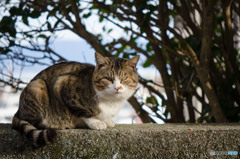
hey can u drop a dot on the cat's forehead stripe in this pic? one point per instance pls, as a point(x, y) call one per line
point(117, 64)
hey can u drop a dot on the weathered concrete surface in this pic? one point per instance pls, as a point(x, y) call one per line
point(129, 141)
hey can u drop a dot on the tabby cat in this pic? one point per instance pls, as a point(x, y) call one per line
point(74, 95)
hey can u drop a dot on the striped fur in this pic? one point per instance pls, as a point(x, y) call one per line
point(73, 95)
point(37, 137)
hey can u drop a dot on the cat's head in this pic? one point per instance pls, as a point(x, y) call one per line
point(115, 78)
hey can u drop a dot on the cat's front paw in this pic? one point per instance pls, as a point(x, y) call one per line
point(110, 123)
point(96, 125)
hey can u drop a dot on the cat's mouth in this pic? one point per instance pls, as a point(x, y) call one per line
point(117, 93)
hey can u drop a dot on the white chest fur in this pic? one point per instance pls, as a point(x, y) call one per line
point(109, 109)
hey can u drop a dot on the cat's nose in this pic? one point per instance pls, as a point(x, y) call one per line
point(118, 88)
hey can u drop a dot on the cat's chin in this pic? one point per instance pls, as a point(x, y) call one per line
point(115, 95)
point(119, 95)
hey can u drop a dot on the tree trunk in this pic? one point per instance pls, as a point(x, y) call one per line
point(207, 87)
point(138, 108)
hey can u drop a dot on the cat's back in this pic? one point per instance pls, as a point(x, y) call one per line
point(65, 68)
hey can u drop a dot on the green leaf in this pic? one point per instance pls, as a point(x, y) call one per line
point(42, 36)
point(149, 47)
point(152, 100)
point(125, 56)
point(7, 25)
point(109, 31)
point(35, 14)
point(6, 20)
point(94, 7)
point(199, 120)
point(13, 11)
point(25, 20)
point(87, 15)
point(101, 19)
point(29, 35)
point(147, 63)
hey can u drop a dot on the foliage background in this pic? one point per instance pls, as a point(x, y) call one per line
point(193, 44)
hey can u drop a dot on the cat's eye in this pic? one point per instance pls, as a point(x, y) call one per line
point(108, 78)
point(124, 78)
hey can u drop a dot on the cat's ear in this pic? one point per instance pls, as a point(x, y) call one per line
point(100, 60)
point(133, 61)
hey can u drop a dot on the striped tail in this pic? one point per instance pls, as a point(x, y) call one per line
point(37, 137)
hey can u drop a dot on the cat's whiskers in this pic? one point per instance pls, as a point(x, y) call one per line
point(99, 94)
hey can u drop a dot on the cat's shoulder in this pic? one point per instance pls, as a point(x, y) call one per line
point(70, 64)
point(64, 68)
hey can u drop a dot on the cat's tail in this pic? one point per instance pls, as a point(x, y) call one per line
point(37, 137)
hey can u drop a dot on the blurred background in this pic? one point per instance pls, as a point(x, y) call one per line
point(189, 52)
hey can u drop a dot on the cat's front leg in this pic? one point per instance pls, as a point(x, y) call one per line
point(94, 123)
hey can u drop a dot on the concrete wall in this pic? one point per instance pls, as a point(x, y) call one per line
point(129, 141)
